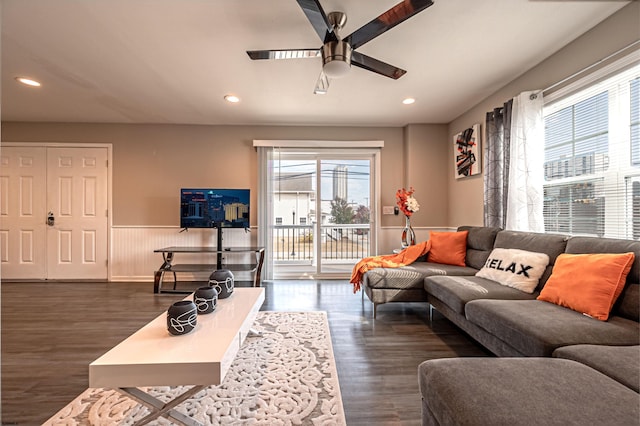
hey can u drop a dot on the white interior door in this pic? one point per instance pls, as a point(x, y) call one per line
point(77, 200)
point(68, 184)
point(22, 212)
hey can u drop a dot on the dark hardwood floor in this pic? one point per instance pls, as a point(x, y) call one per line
point(52, 331)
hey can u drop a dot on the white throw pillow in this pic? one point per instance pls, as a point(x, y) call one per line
point(515, 268)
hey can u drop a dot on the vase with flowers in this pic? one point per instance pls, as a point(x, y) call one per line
point(408, 205)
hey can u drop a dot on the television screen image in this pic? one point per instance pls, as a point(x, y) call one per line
point(208, 207)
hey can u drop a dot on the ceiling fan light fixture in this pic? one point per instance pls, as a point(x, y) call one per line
point(336, 68)
point(337, 53)
point(336, 58)
point(322, 85)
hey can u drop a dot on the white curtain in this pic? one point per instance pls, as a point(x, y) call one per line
point(526, 173)
point(265, 212)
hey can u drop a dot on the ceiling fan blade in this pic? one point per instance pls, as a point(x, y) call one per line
point(283, 54)
point(315, 14)
point(392, 17)
point(372, 64)
point(322, 85)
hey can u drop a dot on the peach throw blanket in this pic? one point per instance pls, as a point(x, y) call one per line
point(405, 257)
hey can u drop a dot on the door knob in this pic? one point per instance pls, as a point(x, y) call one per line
point(51, 220)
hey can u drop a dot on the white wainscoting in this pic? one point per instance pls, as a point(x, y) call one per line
point(132, 257)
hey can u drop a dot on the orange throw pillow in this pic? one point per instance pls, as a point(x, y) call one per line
point(588, 283)
point(449, 248)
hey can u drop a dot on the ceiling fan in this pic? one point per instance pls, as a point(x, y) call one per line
point(338, 54)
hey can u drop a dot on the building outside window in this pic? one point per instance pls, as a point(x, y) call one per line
point(592, 159)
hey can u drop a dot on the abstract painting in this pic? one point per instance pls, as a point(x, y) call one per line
point(467, 152)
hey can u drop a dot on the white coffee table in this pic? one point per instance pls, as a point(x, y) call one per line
point(153, 357)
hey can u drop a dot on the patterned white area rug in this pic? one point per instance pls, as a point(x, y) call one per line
point(286, 377)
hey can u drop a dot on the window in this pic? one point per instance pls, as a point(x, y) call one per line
point(633, 191)
point(576, 139)
point(592, 159)
point(303, 221)
point(278, 221)
point(635, 122)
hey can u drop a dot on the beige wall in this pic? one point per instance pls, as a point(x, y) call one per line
point(152, 162)
point(616, 32)
point(426, 159)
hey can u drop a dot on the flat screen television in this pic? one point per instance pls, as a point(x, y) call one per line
point(212, 207)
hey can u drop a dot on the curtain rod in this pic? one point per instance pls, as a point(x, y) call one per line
point(575, 74)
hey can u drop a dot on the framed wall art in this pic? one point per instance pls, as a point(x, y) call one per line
point(467, 152)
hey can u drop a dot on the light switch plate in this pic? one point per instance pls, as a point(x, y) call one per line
point(387, 209)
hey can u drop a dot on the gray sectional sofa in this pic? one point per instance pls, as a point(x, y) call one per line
point(556, 365)
point(533, 391)
point(406, 284)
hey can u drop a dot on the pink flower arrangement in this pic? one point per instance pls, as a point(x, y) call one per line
point(406, 202)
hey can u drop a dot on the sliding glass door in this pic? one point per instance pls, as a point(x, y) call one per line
point(345, 225)
point(322, 218)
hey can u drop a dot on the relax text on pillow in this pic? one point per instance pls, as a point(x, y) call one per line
point(515, 268)
point(497, 264)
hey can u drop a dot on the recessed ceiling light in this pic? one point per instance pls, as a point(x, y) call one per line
point(232, 98)
point(28, 81)
point(408, 101)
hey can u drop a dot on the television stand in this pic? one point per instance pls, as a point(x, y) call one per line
point(168, 255)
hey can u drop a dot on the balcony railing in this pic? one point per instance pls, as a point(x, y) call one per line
point(297, 243)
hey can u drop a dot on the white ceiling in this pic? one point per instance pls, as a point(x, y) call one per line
point(172, 61)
